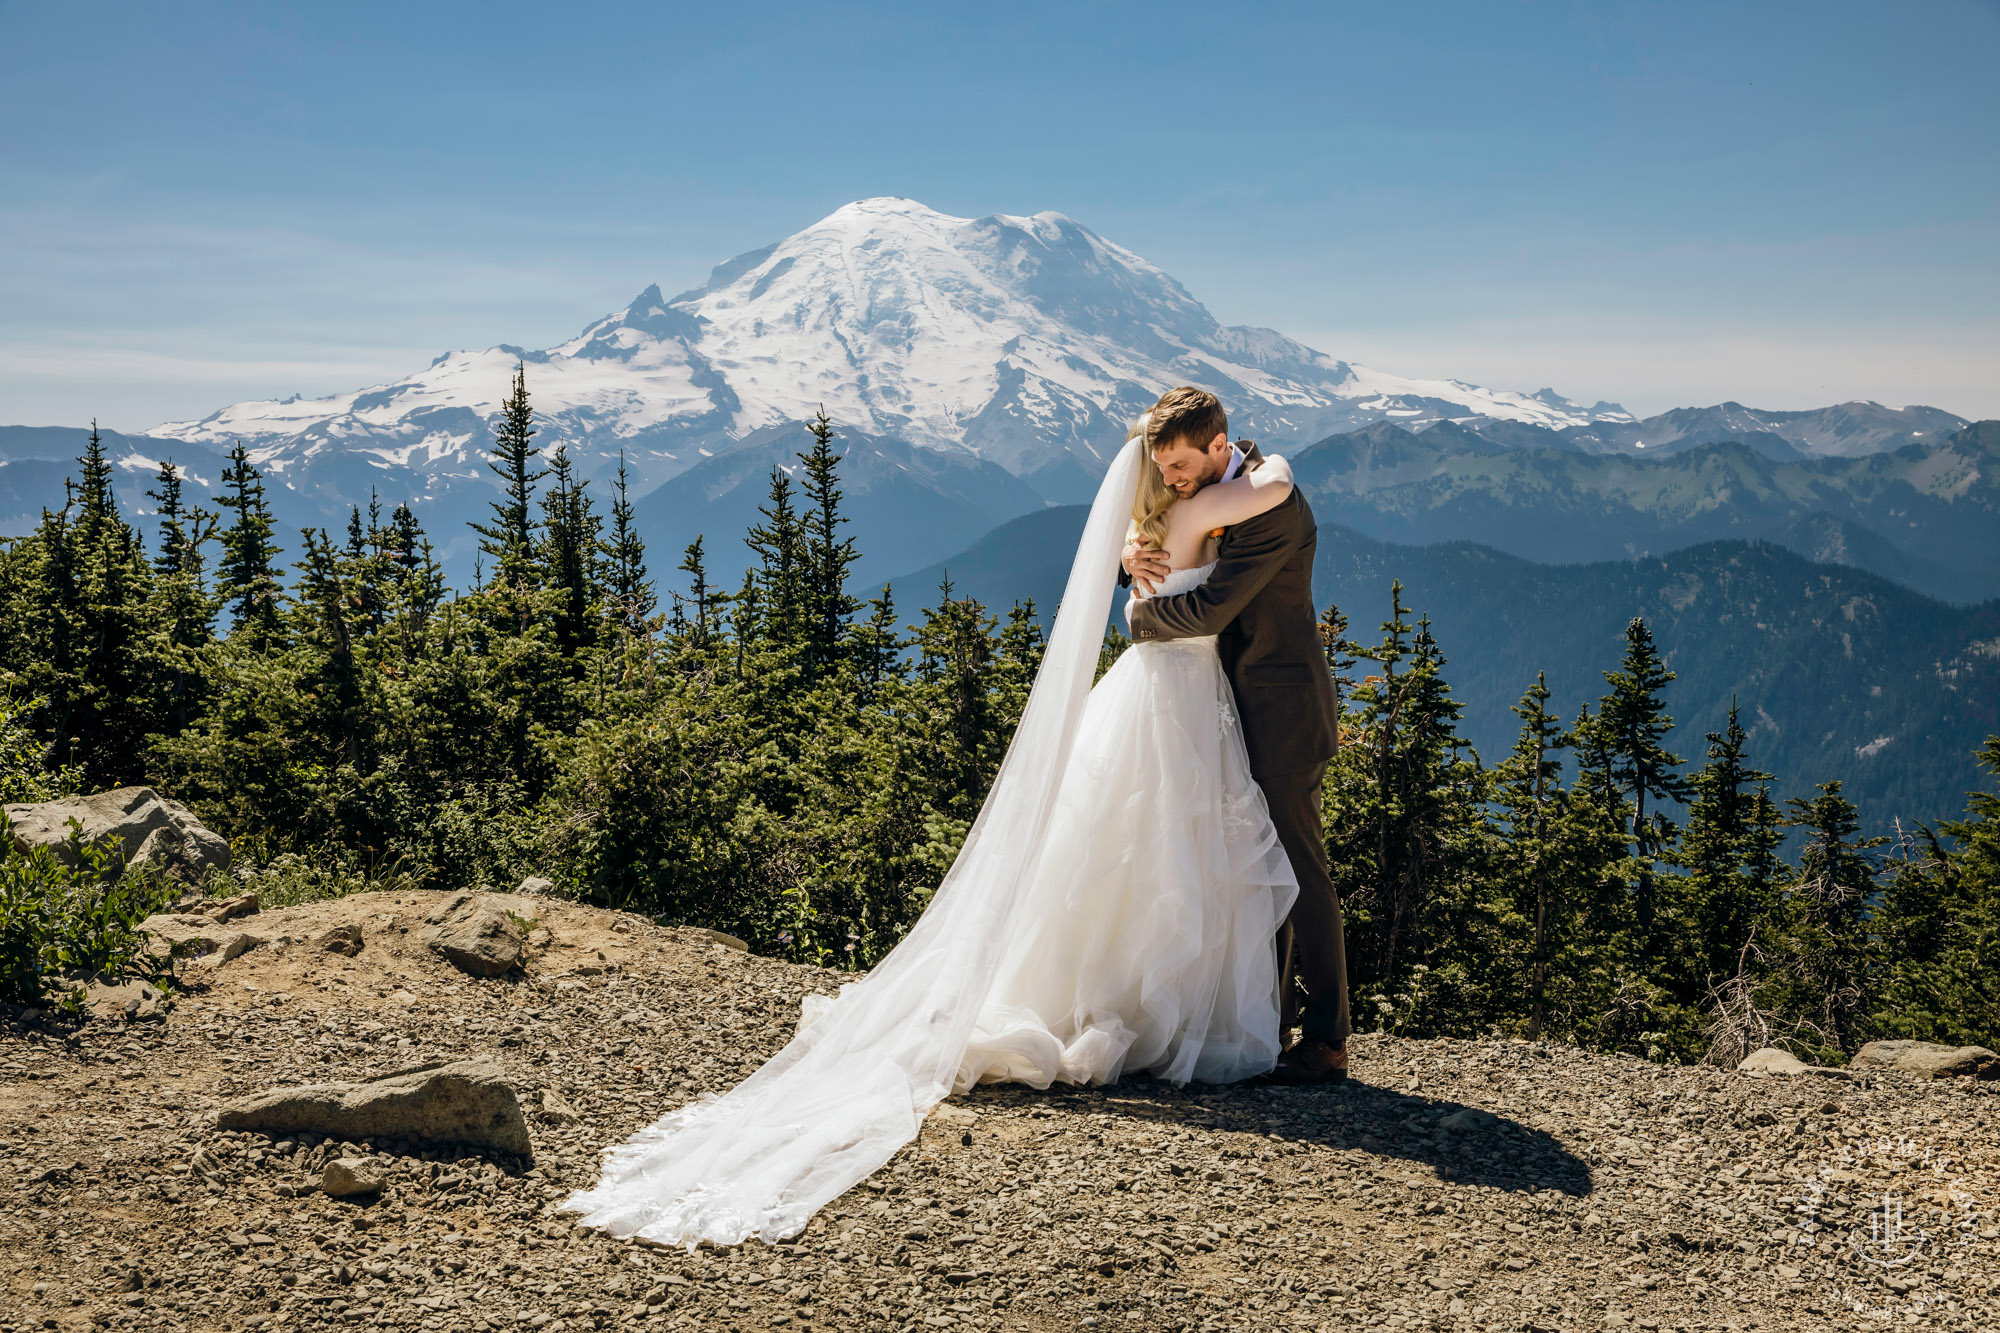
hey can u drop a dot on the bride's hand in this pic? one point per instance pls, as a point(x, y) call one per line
point(1146, 564)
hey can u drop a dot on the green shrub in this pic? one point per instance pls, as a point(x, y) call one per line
point(24, 771)
point(288, 879)
point(61, 919)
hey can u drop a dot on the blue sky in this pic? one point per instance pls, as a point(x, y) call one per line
point(1662, 204)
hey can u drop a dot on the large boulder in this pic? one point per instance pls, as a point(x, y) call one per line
point(137, 823)
point(475, 934)
point(466, 1101)
point(1928, 1059)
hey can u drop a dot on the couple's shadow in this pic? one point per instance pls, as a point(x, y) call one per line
point(1486, 1148)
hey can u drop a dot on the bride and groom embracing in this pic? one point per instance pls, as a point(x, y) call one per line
point(1148, 850)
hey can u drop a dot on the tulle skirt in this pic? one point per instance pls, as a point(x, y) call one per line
point(1148, 935)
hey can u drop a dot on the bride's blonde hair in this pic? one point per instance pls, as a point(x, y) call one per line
point(1152, 497)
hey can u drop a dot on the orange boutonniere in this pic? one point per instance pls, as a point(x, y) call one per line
point(1217, 532)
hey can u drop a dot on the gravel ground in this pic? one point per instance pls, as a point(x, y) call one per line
point(1602, 1192)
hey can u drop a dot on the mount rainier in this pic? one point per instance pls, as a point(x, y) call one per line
point(976, 370)
point(1023, 341)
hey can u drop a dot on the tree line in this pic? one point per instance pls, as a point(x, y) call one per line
point(789, 763)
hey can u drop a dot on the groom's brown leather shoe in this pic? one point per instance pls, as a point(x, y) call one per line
point(1310, 1061)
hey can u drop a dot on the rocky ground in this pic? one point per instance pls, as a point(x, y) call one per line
point(1594, 1192)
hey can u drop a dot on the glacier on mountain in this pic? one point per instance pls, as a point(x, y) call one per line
point(1026, 341)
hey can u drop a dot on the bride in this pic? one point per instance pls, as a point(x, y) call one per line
point(1115, 908)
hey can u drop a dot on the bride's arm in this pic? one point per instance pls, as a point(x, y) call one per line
point(1227, 502)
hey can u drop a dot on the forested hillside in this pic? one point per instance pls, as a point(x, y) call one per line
point(1838, 673)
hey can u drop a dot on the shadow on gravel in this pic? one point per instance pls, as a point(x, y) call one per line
point(1500, 1154)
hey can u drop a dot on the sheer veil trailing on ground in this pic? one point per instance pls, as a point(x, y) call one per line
point(865, 1068)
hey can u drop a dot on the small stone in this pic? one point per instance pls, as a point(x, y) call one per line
point(124, 1001)
point(344, 939)
point(227, 909)
point(1772, 1060)
point(1467, 1119)
point(555, 1109)
point(195, 937)
point(345, 1177)
point(476, 936)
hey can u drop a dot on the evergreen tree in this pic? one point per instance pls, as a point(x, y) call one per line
point(246, 578)
point(1635, 725)
point(1529, 790)
point(783, 576)
point(173, 533)
point(510, 537)
point(1722, 841)
point(1405, 813)
point(570, 556)
point(876, 650)
point(1938, 926)
point(827, 555)
point(328, 597)
point(1020, 660)
point(1828, 904)
point(956, 674)
point(97, 510)
point(702, 618)
point(110, 582)
point(630, 590)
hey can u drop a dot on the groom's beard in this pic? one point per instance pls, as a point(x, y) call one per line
point(1209, 478)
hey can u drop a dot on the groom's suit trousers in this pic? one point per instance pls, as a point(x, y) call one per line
point(1319, 953)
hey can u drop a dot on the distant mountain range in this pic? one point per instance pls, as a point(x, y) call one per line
point(976, 368)
point(1839, 673)
point(1926, 514)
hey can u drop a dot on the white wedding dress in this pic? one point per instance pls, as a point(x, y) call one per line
point(1114, 908)
point(1147, 938)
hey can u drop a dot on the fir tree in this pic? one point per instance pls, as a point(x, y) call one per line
point(510, 538)
point(173, 533)
point(1530, 791)
point(783, 577)
point(1721, 839)
point(876, 650)
point(1635, 726)
point(827, 555)
point(570, 555)
point(630, 590)
point(703, 617)
point(246, 578)
point(956, 675)
point(1829, 901)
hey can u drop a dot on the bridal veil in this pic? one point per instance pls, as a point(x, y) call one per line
point(854, 1085)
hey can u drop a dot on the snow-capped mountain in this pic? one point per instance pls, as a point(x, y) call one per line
point(1027, 341)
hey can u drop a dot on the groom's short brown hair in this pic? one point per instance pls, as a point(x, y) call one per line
point(1185, 414)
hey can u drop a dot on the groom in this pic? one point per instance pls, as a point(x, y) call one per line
point(1259, 601)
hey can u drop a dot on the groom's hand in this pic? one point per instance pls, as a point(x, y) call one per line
point(1146, 564)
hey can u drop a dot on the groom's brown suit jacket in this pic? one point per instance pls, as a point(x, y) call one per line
point(1258, 602)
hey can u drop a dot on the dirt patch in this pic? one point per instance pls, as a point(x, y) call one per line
point(1610, 1193)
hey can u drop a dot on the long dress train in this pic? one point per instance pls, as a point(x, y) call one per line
point(1148, 943)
